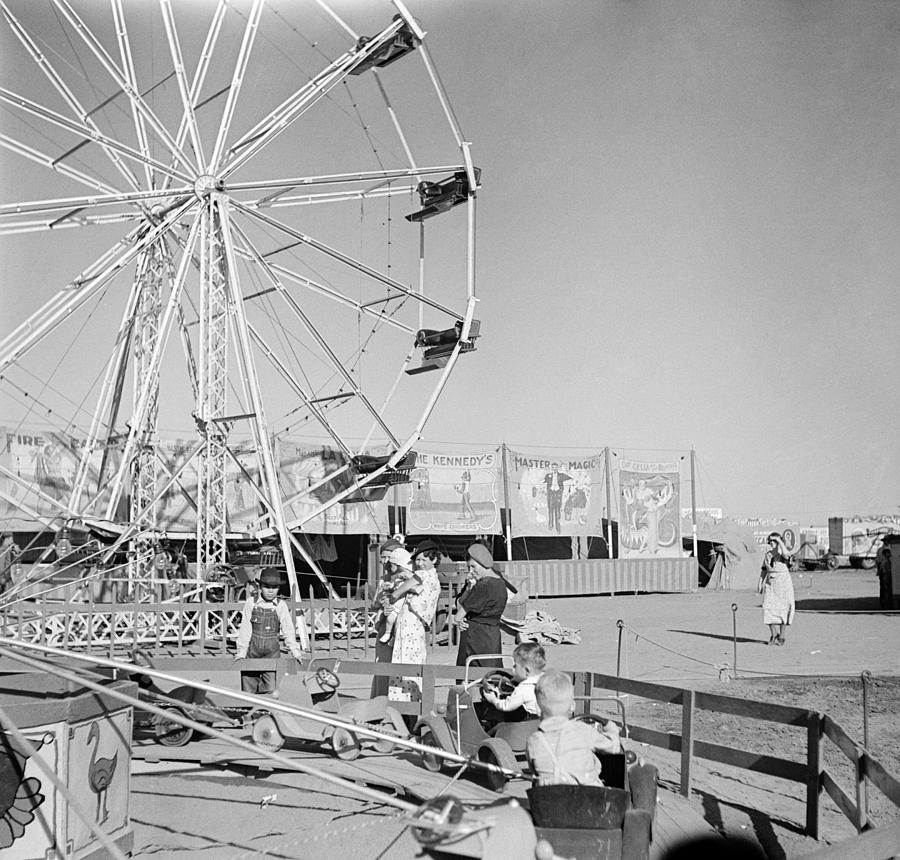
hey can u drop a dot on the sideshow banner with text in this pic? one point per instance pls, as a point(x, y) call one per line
point(649, 506)
point(304, 471)
point(454, 494)
point(45, 463)
point(555, 495)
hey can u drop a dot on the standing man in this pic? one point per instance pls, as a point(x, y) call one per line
point(885, 582)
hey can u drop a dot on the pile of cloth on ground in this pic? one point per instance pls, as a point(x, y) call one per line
point(538, 626)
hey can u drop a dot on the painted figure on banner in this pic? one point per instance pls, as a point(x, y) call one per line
point(649, 524)
point(454, 493)
point(554, 482)
point(312, 475)
point(464, 488)
point(553, 496)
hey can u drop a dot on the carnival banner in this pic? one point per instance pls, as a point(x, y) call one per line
point(552, 495)
point(649, 521)
point(44, 463)
point(454, 494)
point(304, 471)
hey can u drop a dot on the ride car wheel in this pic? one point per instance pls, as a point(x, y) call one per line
point(266, 733)
point(345, 744)
point(172, 734)
point(431, 761)
point(493, 780)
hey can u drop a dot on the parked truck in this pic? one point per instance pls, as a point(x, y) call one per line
point(858, 538)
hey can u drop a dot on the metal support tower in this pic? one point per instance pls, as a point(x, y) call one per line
point(155, 274)
point(212, 392)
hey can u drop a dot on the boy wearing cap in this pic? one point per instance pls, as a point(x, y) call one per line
point(264, 619)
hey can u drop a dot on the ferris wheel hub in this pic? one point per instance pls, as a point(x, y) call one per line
point(205, 184)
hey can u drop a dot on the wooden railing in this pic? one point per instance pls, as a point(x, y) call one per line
point(813, 774)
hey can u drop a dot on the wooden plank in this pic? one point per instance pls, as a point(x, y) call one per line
point(839, 796)
point(655, 738)
point(880, 778)
point(840, 738)
point(771, 711)
point(757, 762)
point(687, 740)
point(813, 773)
point(644, 689)
point(874, 844)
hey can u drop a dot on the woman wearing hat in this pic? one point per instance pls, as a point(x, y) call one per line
point(479, 609)
point(265, 618)
point(421, 592)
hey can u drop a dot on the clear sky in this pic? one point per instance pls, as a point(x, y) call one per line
point(687, 236)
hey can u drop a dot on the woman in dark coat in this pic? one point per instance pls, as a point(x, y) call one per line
point(479, 609)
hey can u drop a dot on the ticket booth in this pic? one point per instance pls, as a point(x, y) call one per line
point(84, 737)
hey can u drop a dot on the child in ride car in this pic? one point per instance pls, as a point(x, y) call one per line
point(529, 661)
point(562, 750)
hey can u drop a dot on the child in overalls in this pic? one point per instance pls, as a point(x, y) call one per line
point(265, 618)
point(561, 751)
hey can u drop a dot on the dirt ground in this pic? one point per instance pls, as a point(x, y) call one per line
point(684, 640)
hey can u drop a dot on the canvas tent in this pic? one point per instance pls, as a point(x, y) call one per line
point(742, 554)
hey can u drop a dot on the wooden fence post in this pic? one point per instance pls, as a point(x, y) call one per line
point(813, 772)
point(687, 740)
point(312, 622)
point(428, 684)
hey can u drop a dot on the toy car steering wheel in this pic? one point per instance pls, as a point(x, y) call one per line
point(326, 679)
point(630, 756)
point(499, 681)
point(439, 815)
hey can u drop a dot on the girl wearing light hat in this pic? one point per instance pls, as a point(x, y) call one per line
point(265, 618)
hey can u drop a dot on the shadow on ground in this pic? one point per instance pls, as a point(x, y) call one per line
point(721, 636)
point(839, 604)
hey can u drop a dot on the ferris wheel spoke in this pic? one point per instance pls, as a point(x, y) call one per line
point(86, 131)
point(262, 134)
point(298, 389)
point(40, 324)
point(47, 161)
point(349, 261)
point(237, 79)
point(251, 253)
point(321, 341)
point(65, 91)
point(186, 92)
point(134, 96)
point(151, 369)
point(65, 222)
point(66, 203)
point(140, 128)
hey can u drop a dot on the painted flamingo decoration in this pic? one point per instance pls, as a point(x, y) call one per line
point(100, 772)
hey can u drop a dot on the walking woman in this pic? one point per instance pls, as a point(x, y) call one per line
point(777, 589)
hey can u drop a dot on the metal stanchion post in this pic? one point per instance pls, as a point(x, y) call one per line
point(621, 625)
point(734, 609)
point(865, 677)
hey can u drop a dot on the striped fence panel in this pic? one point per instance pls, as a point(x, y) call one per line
point(604, 576)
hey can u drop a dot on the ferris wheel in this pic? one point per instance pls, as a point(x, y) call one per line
point(261, 217)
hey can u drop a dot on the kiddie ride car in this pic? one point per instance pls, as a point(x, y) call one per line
point(318, 691)
point(459, 730)
point(183, 700)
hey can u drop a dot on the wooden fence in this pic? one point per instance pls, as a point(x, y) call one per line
point(205, 621)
